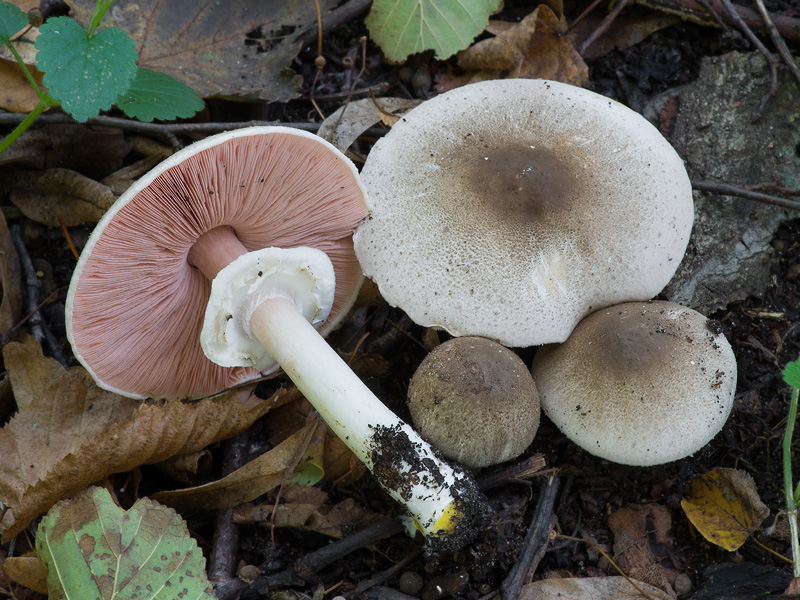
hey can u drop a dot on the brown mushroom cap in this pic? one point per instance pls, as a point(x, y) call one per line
point(639, 383)
point(135, 305)
point(511, 209)
point(475, 401)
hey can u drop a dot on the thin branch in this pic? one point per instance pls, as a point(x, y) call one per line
point(732, 190)
point(777, 40)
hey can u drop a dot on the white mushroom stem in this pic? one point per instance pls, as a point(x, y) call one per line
point(252, 299)
point(357, 417)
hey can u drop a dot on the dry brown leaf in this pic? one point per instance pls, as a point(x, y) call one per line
point(10, 279)
point(209, 45)
point(42, 196)
point(69, 433)
point(590, 588)
point(28, 571)
point(16, 94)
point(257, 477)
point(351, 120)
point(725, 507)
point(626, 32)
point(534, 48)
point(94, 151)
point(643, 544)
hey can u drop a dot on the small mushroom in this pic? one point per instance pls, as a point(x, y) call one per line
point(475, 401)
point(266, 214)
point(639, 383)
point(511, 209)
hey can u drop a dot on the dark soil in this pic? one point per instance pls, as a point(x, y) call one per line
point(763, 331)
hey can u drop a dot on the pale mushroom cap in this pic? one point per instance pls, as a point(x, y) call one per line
point(511, 209)
point(475, 401)
point(639, 383)
point(135, 305)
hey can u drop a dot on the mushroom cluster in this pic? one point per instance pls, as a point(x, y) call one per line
point(513, 209)
point(230, 259)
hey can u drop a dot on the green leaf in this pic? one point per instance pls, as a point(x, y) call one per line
point(86, 73)
point(94, 549)
point(12, 19)
point(155, 95)
point(791, 374)
point(404, 27)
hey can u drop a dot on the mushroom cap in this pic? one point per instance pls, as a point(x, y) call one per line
point(639, 383)
point(135, 306)
point(511, 209)
point(475, 401)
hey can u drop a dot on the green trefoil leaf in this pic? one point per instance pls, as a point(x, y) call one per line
point(791, 374)
point(85, 73)
point(12, 19)
point(155, 95)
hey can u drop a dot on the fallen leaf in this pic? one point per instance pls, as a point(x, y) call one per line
point(28, 571)
point(93, 151)
point(405, 27)
point(643, 544)
point(94, 549)
point(16, 93)
point(69, 433)
point(42, 196)
point(211, 46)
point(590, 588)
point(351, 120)
point(257, 477)
point(626, 32)
point(725, 507)
point(534, 48)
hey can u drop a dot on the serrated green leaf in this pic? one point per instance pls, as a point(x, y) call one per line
point(94, 549)
point(86, 73)
point(12, 19)
point(791, 374)
point(155, 95)
point(404, 27)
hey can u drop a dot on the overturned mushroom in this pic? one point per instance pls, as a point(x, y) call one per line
point(266, 214)
point(639, 383)
point(511, 209)
point(475, 401)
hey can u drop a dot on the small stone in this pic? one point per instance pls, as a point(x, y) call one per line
point(683, 585)
point(410, 583)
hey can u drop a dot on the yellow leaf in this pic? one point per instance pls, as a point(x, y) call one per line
point(28, 571)
point(725, 507)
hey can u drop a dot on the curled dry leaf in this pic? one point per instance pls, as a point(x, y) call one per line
point(725, 507)
point(257, 477)
point(351, 120)
point(43, 196)
point(16, 93)
point(590, 588)
point(28, 571)
point(534, 48)
point(69, 433)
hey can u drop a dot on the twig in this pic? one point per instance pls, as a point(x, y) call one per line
point(383, 575)
point(695, 11)
point(535, 543)
point(311, 564)
point(604, 25)
point(39, 328)
point(339, 16)
point(771, 60)
point(224, 546)
point(732, 190)
point(777, 40)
